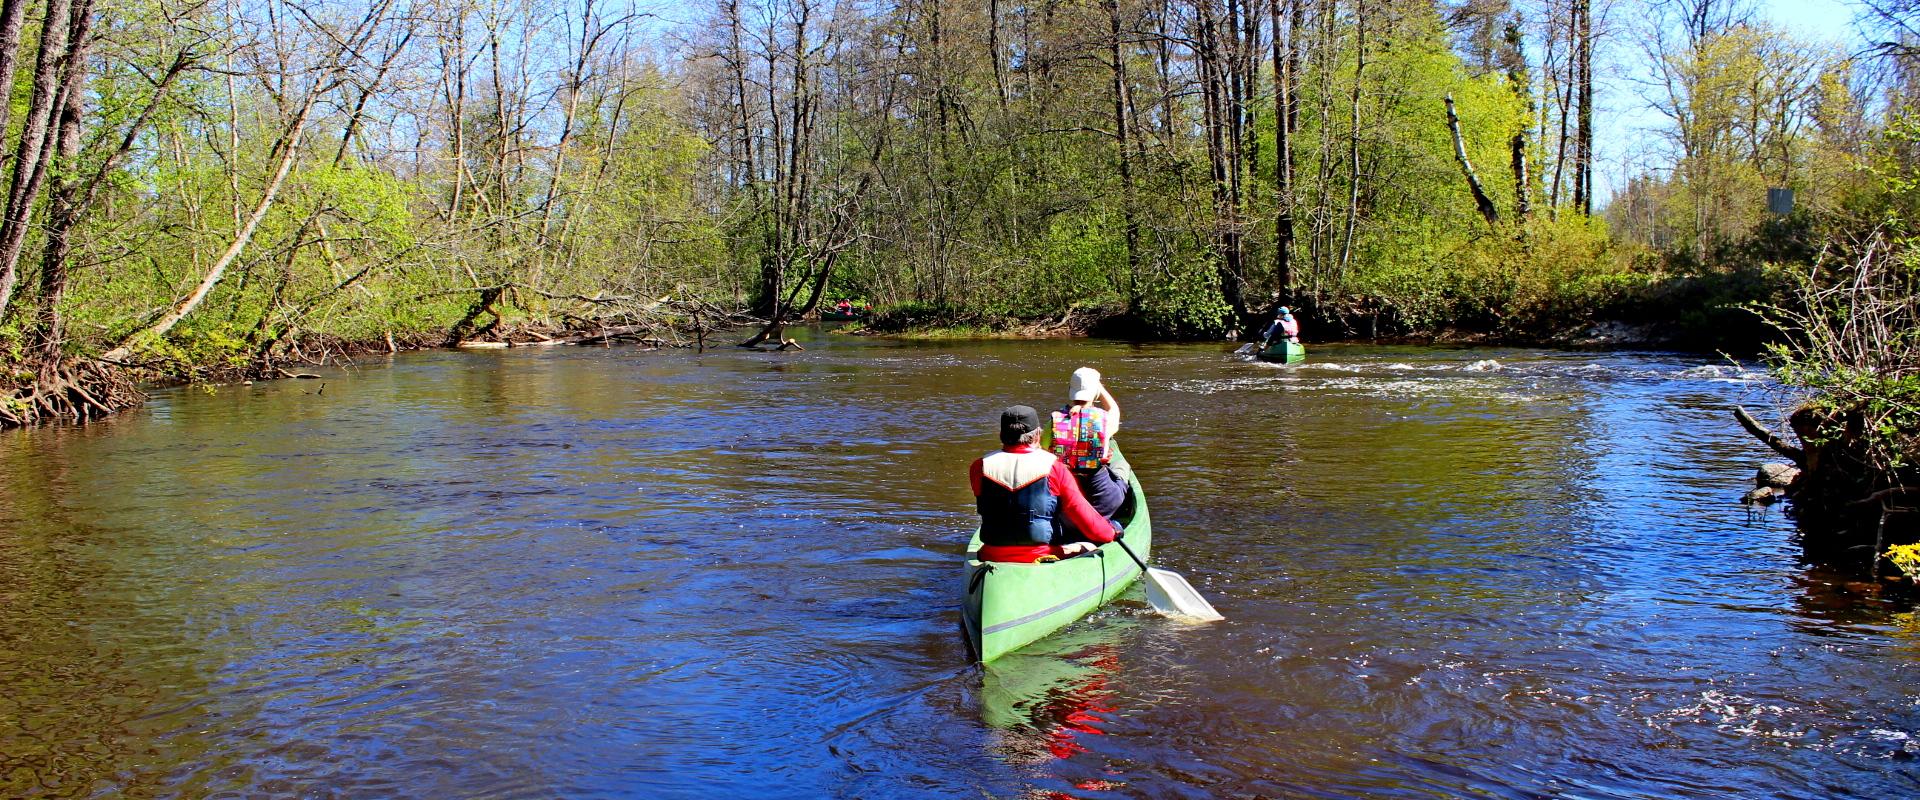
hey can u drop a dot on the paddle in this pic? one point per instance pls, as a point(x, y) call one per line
point(1170, 594)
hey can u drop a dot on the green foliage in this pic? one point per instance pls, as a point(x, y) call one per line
point(1073, 263)
point(1186, 304)
point(1534, 280)
point(1853, 342)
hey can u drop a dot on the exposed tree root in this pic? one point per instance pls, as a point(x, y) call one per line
point(74, 390)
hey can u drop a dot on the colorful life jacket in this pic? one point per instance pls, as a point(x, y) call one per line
point(1016, 503)
point(1080, 437)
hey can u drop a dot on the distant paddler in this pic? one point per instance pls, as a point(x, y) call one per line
point(1283, 325)
point(1281, 342)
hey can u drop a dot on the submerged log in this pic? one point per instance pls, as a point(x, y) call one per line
point(643, 334)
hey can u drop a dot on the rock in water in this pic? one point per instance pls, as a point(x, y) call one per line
point(1777, 476)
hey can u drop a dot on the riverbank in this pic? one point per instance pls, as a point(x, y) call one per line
point(1694, 314)
point(1851, 353)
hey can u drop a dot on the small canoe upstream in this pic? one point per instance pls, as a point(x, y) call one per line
point(1284, 352)
point(1008, 606)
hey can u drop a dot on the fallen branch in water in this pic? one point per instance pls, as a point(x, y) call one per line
point(629, 332)
point(1769, 438)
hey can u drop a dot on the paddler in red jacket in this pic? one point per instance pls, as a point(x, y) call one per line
point(1026, 497)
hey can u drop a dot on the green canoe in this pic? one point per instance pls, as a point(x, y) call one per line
point(1010, 605)
point(1284, 352)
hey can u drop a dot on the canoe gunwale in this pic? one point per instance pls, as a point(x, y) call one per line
point(1128, 574)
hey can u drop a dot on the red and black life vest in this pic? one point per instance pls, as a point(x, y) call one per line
point(1016, 504)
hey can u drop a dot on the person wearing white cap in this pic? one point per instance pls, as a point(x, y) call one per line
point(1082, 436)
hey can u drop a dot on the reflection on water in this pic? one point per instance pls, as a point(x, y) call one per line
point(615, 573)
point(1048, 695)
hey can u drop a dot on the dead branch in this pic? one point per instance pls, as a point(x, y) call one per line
point(1769, 438)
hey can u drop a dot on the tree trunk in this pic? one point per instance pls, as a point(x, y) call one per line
point(29, 162)
point(1217, 106)
point(993, 52)
point(1286, 71)
point(1583, 143)
point(1480, 199)
point(1322, 222)
point(1353, 135)
point(1123, 154)
point(1522, 85)
point(64, 209)
point(13, 15)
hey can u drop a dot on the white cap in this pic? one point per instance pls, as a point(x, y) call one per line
point(1085, 385)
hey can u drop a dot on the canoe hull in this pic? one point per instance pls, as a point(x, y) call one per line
point(1009, 606)
point(1284, 352)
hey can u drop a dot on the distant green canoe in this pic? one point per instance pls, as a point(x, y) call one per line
point(1011, 605)
point(1284, 352)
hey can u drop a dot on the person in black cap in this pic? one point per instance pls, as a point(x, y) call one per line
point(1025, 496)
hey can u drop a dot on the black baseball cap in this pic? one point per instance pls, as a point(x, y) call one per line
point(1017, 421)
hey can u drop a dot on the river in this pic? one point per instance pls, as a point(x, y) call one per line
point(615, 572)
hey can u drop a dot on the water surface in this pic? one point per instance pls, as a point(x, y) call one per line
point(617, 572)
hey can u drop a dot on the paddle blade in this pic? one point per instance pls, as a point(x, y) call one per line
point(1171, 594)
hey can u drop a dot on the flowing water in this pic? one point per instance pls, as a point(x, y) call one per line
point(667, 574)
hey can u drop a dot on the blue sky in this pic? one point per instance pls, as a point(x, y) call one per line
point(1822, 19)
point(1625, 125)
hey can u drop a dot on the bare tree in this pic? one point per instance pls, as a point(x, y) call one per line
point(297, 96)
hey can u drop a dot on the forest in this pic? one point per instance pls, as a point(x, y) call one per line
point(214, 190)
